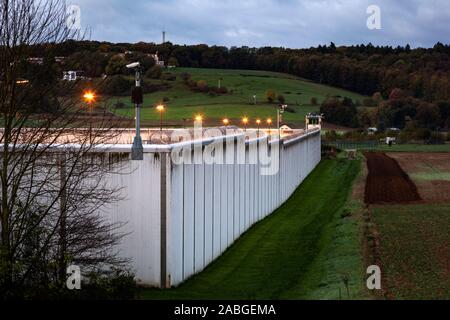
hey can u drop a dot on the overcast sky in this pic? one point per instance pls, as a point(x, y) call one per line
point(286, 23)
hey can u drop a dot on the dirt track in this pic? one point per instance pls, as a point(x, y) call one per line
point(387, 182)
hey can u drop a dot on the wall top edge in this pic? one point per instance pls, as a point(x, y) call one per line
point(160, 148)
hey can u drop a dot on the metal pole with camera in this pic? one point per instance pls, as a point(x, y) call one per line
point(137, 97)
point(280, 112)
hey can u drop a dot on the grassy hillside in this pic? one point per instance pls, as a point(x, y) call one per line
point(183, 103)
point(302, 251)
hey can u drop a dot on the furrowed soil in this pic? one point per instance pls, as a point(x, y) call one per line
point(411, 239)
point(387, 183)
point(430, 173)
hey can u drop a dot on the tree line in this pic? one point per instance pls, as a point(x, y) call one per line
point(421, 74)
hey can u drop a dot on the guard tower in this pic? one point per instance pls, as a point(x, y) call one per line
point(313, 121)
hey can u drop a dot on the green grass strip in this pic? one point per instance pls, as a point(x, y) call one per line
point(292, 253)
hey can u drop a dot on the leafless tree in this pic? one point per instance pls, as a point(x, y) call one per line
point(52, 177)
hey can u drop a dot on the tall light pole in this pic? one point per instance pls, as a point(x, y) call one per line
point(258, 122)
point(161, 109)
point(198, 120)
point(137, 97)
point(269, 123)
point(245, 122)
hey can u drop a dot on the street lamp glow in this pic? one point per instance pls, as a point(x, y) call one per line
point(258, 122)
point(89, 96)
point(269, 123)
point(226, 122)
point(22, 81)
point(245, 122)
point(198, 118)
point(161, 109)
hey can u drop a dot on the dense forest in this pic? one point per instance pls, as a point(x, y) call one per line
point(406, 82)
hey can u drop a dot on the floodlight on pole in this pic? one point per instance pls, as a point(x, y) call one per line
point(269, 123)
point(137, 97)
point(161, 110)
point(245, 122)
point(89, 97)
point(198, 118)
point(258, 122)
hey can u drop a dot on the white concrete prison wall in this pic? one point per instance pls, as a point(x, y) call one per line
point(210, 206)
point(181, 217)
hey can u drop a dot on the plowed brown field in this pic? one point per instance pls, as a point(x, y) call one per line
point(430, 172)
point(387, 182)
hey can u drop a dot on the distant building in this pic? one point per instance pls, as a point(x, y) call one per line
point(157, 61)
point(372, 130)
point(313, 121)
point(73, 75)
point(60, 60)
point(36, 60)
point(286, 129)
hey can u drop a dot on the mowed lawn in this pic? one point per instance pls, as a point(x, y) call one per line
point(302, 251)
point(415, 250)
point(184, 104)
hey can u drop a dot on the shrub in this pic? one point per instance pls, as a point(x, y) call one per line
point(116, 86)
point(281, 99)
point(396, 94)
point(119, 105)
point(173, 62)
point(422, 134)
point(202, 85)
point(222, 90)
point(118, 285)
point(377, 97)
point(369, 102)
point(341, 112)
point(314, 101)
point(331, 135)
point(436, 138)
point(185, 77)
point(116, 65)
point(270, 95)
point(290, 110)
point(168, 76)
point(192, 84)
point(154, 72)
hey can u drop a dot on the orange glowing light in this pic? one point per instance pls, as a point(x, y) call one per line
point(258, 122)
point(160, 108)
point(199, 118)
point(269, 121)
point(245, 120)
point(226, 122)
point(89, 96)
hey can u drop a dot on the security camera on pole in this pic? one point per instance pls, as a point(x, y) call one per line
point(137, 97)
point(281, 110)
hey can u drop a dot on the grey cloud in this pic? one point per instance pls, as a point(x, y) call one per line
point(290, 23)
